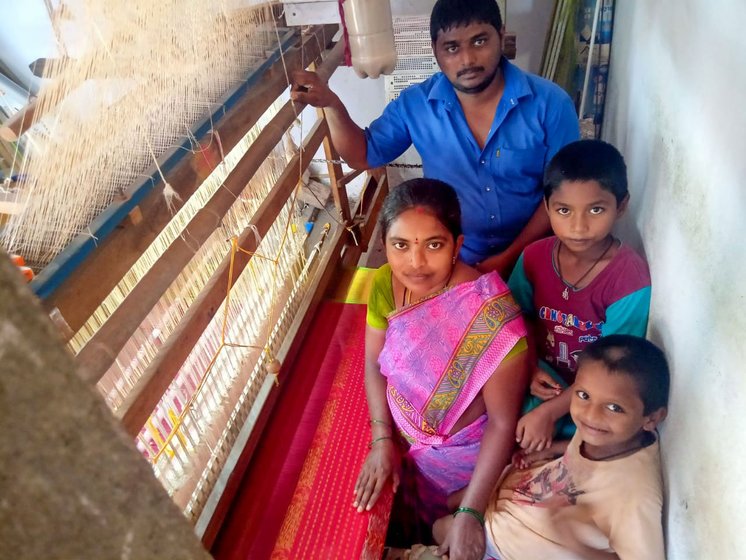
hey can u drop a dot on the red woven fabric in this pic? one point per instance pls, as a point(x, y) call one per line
point(296, 502)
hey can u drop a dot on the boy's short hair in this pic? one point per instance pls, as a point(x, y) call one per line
point(637, 358)
point(588, 160)
point(456, 13)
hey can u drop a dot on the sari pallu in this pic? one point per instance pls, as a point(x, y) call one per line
point(438, 354)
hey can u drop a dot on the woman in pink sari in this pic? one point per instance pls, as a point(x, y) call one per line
point(446, 366)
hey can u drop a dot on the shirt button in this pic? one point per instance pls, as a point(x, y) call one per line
point(482, 162)
point(487, 189)
point(492, 216)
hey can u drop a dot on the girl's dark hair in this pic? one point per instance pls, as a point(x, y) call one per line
point(637, 358)
point(436, 196)
point(588, 160)
point(456, 13)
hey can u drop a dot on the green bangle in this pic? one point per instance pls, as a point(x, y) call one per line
point(374, 421)
point(370, 445)
point(474, 513)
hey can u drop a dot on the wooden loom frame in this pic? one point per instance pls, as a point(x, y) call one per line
point(82, 290)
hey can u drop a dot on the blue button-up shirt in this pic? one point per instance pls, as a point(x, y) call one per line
point(500, 186)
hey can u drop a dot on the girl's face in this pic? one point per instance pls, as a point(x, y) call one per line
point(420, 251)
point(582, 215)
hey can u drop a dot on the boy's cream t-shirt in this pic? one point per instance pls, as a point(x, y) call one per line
point(575, 508)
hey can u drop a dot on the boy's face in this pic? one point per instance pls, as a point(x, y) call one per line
point(608, 411)
point(582, 215)
point(469, 55)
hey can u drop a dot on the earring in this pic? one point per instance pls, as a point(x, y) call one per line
point(453, 260)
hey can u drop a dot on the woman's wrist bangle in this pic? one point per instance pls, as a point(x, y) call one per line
point(370, 445)
point(383, 422)
point(474, 513)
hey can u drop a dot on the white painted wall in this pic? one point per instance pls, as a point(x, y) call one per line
point(675, 109)
point(529, 20)
point(25, 35)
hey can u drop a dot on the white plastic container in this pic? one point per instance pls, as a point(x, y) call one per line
point(371, 36)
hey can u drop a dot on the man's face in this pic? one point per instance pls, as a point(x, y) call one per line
point(469, 55)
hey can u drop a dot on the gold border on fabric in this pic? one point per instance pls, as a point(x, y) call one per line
point(296, 512)
point(486, 324)
point(489, 321)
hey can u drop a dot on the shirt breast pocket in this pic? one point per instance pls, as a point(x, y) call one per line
point(520, 169)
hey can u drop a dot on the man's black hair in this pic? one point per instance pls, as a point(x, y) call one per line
point(456, 13)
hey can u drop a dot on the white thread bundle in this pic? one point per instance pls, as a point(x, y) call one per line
point(142, 74)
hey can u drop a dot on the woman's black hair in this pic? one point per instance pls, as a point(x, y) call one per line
point(447, 14)
point(637, 358)
point(588, 160)
point(437, 197)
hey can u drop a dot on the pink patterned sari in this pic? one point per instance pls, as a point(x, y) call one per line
point(439, 353)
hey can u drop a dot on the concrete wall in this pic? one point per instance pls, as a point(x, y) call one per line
point(675, 110)
point(72, 484)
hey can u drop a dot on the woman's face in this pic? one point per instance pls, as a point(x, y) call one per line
point(420, 250)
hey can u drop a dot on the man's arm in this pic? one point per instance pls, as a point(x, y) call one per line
point(347, 137)
point(536, 228)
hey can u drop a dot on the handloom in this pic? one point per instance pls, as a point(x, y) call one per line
point(161, 217)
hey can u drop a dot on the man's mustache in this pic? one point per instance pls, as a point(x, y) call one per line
point(470, 70)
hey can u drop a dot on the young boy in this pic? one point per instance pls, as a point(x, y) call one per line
point(579, 285)
point(603, 498)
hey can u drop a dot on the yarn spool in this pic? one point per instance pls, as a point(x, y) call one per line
point(273, 366)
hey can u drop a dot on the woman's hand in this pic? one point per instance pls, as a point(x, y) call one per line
point(381, 463)
point(465, 539)
point(543, 386)
point(522, 460)
point(535, 429)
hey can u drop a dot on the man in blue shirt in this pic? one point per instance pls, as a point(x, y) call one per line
point(481, 124)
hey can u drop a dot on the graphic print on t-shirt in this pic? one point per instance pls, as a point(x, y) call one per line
point(550, 487)
point(573, 333)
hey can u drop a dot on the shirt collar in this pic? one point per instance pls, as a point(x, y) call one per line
point(516, 86)
point(516, 82)
point(443, 91)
